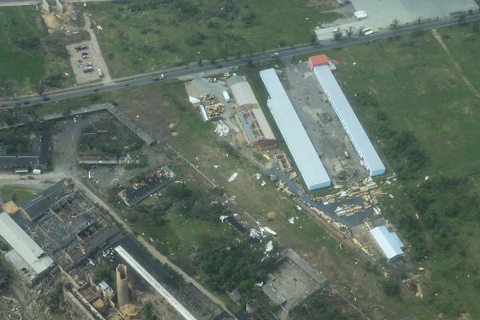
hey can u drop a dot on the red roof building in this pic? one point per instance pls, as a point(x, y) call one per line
point(318, 60)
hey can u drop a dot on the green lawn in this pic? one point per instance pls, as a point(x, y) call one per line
point(28, 54)
point(140, 36)
point(17, 194)
point(116, 139)
point(424, 119)
point(158, 105)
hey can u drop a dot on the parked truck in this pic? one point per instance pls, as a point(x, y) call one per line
point(226, 96)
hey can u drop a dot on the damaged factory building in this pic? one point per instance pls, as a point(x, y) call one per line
point(252, 120)
point(60, 223)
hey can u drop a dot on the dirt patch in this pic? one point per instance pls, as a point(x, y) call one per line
point(51, 21)
point(10, 207)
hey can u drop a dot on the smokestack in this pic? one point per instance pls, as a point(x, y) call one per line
point(122, 285)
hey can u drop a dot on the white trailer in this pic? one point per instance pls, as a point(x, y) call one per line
point(226, 96)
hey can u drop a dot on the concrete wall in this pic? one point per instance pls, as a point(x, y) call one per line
point(46, 6)
point(122, 285)
point(59, 5)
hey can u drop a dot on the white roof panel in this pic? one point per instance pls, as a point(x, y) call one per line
point(352, 125)
point(241, 90)
point(23, 245)
point(389, 242)
point(294, 134)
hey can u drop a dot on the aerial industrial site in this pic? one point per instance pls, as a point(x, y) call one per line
point(239, 160)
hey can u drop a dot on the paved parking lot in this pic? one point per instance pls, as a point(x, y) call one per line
point(328, 136)
point(79, 63)
point(381, 13)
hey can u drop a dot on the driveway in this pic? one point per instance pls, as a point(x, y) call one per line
point(94, 42)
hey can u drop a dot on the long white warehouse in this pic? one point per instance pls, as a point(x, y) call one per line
point(308, 162)
point(154, 283)
point(350, 122)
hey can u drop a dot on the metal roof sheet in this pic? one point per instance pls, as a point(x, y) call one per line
point(308, 162)
point(38, 205)
point(389, 242)
point(23, 245)
point(352, 125)
point(241, 90)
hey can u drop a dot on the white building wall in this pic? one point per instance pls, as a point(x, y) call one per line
point(349, 120)
point(303, 152)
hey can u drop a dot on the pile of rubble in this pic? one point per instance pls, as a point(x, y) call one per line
point(211, 108)
point(338, 226)
point(367, 193)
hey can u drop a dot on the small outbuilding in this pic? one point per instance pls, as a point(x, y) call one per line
point(389, 242)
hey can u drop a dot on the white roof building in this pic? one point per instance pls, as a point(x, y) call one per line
point(242, 92)
point(308, 162)
point(350, 122)
point(389, 242)
point(26, 255)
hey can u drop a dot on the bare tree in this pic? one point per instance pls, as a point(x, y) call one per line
point(350, 31)
point(395, 23)
point(360, 31)
point(338, 34)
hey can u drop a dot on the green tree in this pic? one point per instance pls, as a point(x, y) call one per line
point(391, 288)
point(54, 298)
point(148, 313)
point(338, 34)
point(350, 31)
point(104, 273)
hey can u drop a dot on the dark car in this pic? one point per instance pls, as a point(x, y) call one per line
point(46, 99)
point(95, 90)
point(156, 78)
point(27, 102)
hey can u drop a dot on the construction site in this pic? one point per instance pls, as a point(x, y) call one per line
point(243, 121)
point(65, 224)
point(59, 231)
point(291, 282)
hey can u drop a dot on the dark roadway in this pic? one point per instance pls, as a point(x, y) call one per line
point(289, 53)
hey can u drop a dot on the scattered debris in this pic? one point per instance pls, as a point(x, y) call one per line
point(222, 129)
point(233, 177)
point(269, 246)
point(291, 220)
point(267, 229)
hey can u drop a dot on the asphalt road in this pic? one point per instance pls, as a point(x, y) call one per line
point(289, 53)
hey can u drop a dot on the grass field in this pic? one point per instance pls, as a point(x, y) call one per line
point(17, 194)
point(139, 36)
point(416, 106)
point(28, 54)
point(159, 105)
